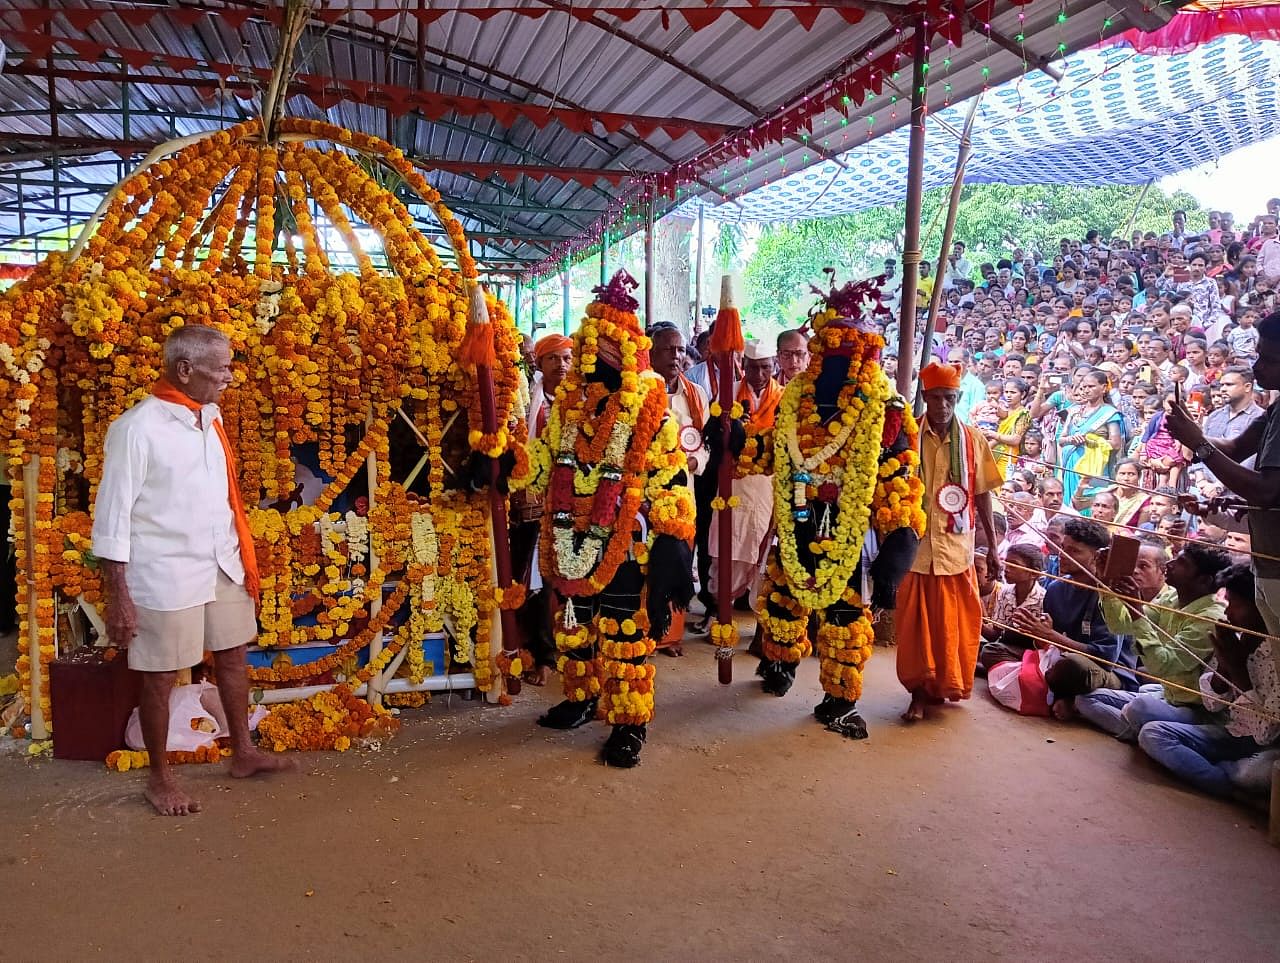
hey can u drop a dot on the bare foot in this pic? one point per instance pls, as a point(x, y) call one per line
point(255, 762)
point(915, 711)
point(539, 675)
point(674, 650)
point(169, 800)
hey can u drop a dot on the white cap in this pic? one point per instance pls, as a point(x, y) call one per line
point(759, 351)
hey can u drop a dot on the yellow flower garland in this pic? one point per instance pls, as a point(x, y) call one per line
point(861, 454)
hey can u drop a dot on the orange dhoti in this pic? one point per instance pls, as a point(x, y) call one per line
point(939, 629)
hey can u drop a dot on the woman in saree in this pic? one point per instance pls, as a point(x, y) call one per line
point(1006, 440)
point(1090, 436)
point(1133, 500)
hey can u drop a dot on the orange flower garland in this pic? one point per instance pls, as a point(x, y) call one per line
point(320, 356)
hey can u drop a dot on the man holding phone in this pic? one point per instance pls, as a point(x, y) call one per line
point(1174, 636)
point(1258, 487)
point(1093, 656)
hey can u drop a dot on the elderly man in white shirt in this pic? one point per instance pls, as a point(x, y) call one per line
point(170, 532)
point(691, 406)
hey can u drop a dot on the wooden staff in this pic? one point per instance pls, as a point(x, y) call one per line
point(478, 349)
point(726, 340)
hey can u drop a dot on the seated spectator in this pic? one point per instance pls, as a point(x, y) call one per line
point(1131, 500)
point(1163, 504)
point(1093, 656)
point(1104, 507)
point(1026, 523)
point(1051, 492)
point(1022, 591)
point(1242, 692)
point(1173, 636)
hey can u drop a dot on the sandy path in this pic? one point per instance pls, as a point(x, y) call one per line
point(747, 833)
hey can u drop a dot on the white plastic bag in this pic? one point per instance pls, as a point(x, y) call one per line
point(195, 719)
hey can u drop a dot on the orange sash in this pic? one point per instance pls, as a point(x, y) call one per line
point(167, 391)
point(695, 403)
point(765, 409)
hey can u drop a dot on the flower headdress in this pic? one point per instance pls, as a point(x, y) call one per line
point(844, 320)
point(611, 331)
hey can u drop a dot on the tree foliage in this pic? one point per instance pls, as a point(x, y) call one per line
point(992, 219)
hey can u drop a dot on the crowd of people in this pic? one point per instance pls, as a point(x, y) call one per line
point(1103, 375)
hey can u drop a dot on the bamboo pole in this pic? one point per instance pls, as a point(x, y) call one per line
point(566, 312)
point(375, 606)
point(30, 503)
point(911, 228)
point(1137, 206)
point(697, 273)
point(724, 483)
point(648, 263)
point(479, 314)
point(948, 232)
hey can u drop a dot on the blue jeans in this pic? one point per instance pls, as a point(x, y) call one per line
point(1196, 753)
point(1123, 714)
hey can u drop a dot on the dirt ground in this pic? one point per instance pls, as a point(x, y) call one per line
point(747, 832)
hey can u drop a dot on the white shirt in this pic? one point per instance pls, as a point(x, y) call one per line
point(679, 406)
point(162, 505)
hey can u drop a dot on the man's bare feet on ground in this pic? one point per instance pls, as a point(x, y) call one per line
point(674, 650)
point(539, 675)
point(254, 762)
point(915, 711)
point(168, 799)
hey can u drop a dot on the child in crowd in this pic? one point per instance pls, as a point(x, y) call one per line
point(986, 415)
point(1161, 456)
point(1032, 459)
point(1024, 565)
point(1244, 337)
point(1217, 358)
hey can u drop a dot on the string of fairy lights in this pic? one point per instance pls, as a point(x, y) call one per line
point(629, 214)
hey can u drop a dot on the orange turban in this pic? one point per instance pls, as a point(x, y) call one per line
point(941, 376)
point(550, 344)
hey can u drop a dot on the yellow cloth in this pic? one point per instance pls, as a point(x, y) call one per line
point(938, 627)
point(1006, 455)
point(942, 552)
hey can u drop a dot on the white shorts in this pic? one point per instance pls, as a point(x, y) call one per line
point(169, 641)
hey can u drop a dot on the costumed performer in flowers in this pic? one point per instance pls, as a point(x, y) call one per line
point(939, 622)
point(846, 505)
point(617, 524)
point(177, 554)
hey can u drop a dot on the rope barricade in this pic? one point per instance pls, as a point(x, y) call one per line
point(1102, 587)
point(1246, 706)
point(1004, 500)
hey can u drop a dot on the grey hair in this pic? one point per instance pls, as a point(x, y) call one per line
point(191, 342)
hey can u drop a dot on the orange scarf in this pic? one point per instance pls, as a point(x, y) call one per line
point(167, 391)
point(765, 410)
point(694, 399)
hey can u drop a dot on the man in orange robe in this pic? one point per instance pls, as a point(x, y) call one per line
point(939, 620)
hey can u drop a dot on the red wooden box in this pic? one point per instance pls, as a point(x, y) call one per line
point(92, 699)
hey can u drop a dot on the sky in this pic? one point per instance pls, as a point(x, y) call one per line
point(1239, 182)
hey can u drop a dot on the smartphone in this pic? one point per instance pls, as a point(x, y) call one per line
point(1182, 275)
point(1122, 557)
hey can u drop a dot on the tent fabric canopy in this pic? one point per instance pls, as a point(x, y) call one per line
point(1118, 117)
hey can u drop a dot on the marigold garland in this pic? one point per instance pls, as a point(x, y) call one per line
point(321, 354)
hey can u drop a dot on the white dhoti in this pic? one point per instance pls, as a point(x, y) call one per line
point(752, 536)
